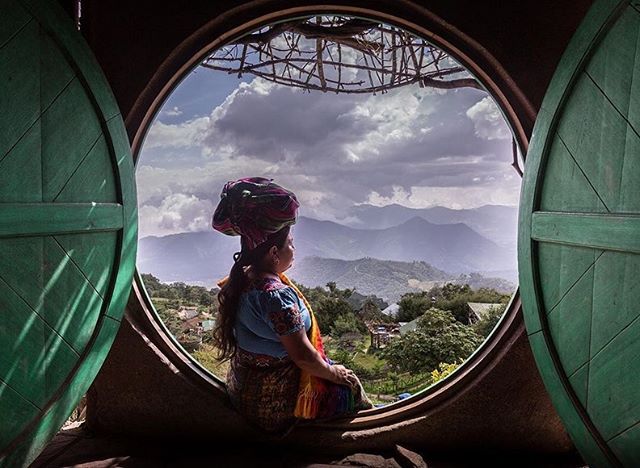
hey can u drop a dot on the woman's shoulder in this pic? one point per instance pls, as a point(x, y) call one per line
point(271, 288)
point(268, 285)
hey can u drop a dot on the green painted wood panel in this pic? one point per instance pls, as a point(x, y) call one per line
point(21, 335)
point(68, 301)
point(22, 269)
point(579, 381)
point(20, 78)
point(15, 18)
point(563, 402)
point(39, 350)
point(93, 255)
point(579, 237)
point(626, 448)
point(30, 219)
point(12, 403)
point(562, 169)
point(59, 26)
point(615, 66)
point(570, 324)
point(91, 180)
point(54, 71)
point(21, 169)
point(64, 147)
point(29, 449)
point(616, 296)
point(68, 228)
point(613, 383)
point(594, 135)
point(560, 268)
point(595, 230)
point(630, 195)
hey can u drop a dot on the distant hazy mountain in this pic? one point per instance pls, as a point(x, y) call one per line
point(454, 248)
point(204, 257)
point(200, 258)
point(384, 278)
point(495, 222)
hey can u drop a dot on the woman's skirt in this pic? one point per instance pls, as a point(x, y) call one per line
point(264, 389)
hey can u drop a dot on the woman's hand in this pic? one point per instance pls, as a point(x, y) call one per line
point(307, 358)
point(344, 376)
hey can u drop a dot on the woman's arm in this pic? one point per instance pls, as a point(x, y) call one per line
point(305, 356)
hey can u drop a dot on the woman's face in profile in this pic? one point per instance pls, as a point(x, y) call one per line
point(285, 254)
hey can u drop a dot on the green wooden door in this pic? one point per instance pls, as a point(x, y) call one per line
point(579, 240)
point(68, 227)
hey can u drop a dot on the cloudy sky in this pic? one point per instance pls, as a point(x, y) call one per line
point(414, 146)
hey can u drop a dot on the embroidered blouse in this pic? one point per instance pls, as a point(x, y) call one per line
point(265, 311)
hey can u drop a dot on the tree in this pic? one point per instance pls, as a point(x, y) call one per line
point(443, 370)
point(328, 304)
point(439, 337)
point(340, 293)
point(451, 291)
point(370, 312)
point(343, 324)
point(151, 283)
point(329, 309)
point(487, 322)
point(170, 319)
point(454, 298)
point(412, 306)
point(342, 356)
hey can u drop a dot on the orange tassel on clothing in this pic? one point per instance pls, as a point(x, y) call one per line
point(318, 397)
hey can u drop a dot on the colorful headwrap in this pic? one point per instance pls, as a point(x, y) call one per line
point(254, 208)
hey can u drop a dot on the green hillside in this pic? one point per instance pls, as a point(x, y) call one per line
point(386, 279)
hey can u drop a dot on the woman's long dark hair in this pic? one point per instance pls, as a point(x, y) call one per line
point(229, 296)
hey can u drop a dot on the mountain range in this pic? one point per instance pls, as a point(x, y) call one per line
point(386, 279)
point(455, 248)
point(497, 223)
point(450, 248)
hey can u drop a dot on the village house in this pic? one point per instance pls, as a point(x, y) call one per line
point(391, 310)
point(382, 333)
point(477, 310)
point(187, 313)
point(406, 327)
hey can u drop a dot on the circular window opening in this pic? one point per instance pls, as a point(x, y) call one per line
point(404, 166)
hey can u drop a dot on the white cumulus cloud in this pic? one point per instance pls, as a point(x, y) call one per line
point(334, 151)
point(177, 213)
point(173, 112)
point(488, 121)
point(189, 133)
point(455, 198)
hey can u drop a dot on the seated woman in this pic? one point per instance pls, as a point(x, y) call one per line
point(279, 372)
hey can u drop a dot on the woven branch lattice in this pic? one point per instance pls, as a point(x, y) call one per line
point(341, 55)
